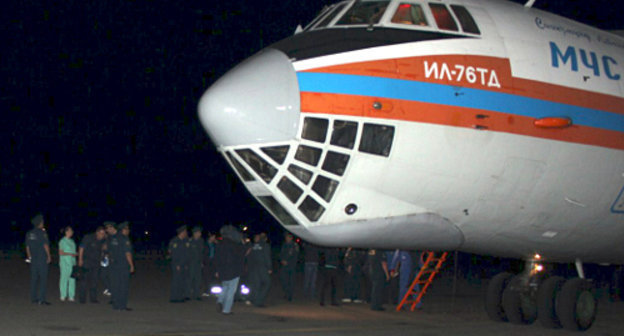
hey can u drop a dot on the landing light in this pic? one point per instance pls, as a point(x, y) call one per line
point(537, 256)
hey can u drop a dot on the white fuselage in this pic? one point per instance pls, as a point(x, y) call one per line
point(467, 168)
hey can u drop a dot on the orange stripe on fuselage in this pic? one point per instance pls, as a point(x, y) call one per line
point(396, 109)
point(412, 68)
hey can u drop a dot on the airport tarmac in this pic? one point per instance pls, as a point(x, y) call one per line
point(153, 315)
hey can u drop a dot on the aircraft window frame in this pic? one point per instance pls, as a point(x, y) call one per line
point(344, 133)
point(377, 139)
point(300, 173)
point(276, 153)
point(325, 187)
point(366, 17)
point(422, 13)
point(308, 154)
point(337, 12)
point(277, 210)
point(315, 129)
point(290, 189)
point(242, 171)
point(262, 167)
point(335, 163)
point(312, 209)
point(439, 19)
point(466, 20)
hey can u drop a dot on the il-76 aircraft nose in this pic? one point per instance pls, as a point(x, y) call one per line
point(256, 102)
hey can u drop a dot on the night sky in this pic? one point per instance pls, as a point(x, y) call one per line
point(98, 109)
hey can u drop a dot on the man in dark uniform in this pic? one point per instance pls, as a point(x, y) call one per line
point(179, 253)
point(310, 270)
point(89, 256)
point(260, 268)
point(121, 266)
point(196, 254)
point(329, 274)
point(288, 259)
point(38, 252)
point(353, 268)
point(378, 271)
point(111, 231)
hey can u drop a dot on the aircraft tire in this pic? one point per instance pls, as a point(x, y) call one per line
point(494, 297)
point(576, 305)
point(546, 302)
point(518, 306)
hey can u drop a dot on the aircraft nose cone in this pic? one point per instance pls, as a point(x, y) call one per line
point(256, 102)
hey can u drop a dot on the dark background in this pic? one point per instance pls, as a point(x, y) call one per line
point(98, 109)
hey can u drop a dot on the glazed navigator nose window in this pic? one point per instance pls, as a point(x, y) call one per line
point(377, 139)
point(258, 164)
point(344, 134)
point(315, 129)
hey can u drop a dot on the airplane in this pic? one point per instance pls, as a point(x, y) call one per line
point(481, 126)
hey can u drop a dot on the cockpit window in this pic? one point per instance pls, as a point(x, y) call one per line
point(443, 17)
point(337, 9)
point(323, 13)
point(364, 13)
point(410, 14)
point(466, 21)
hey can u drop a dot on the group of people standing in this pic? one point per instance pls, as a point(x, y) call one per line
point(370, 275)
point(107, 250)
point(106, 254)
point(194, 262)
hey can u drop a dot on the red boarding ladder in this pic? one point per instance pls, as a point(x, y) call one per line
point(431, 267)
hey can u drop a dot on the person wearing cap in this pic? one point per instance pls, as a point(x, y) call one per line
point(121, 266)
point(111, 231)
point(90, 254)
point(229, 258)
point(196, 254)
point(179, 254)
point(38, 252)
point(288, 259)
point(67, 261)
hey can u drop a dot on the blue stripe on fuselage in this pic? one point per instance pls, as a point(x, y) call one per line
point(456, 96)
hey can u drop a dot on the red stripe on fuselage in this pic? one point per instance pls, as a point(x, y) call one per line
point(396, 109)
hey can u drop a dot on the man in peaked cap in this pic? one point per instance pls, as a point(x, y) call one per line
point(38, 252)
point(121, 265)
point(196, 254)
point(179, 253)
point(111, 230)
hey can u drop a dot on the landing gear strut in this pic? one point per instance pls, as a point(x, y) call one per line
point(528, 296)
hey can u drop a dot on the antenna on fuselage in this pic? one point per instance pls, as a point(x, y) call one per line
point(529, 3)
